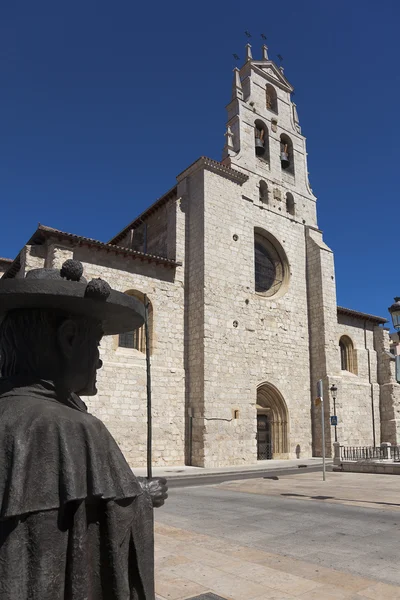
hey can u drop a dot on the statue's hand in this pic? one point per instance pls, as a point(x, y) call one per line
point(157, 487)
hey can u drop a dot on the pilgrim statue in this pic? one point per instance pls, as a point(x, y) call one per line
point(75, 523)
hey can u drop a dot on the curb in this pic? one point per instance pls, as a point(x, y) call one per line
point(176, 477)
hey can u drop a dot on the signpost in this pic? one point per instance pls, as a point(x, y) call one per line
point(334, 421)
point(320, 400)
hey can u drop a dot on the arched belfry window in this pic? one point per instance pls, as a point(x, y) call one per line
point(136, 339)
point(271, 98)
point(263, 192)
point(261, 140)
point(348, 359)
point(287, 157)
point(290, 203)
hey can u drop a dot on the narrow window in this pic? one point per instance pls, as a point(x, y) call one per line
point(290, 203)
point(271, 98)
point(343, 356)
point(263, 192)
point(348, 358)
point(136, 339)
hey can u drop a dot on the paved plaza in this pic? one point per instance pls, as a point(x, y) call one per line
point(295, 537)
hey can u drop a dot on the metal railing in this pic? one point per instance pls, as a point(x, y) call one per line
point(395, 453)
point(383, 452)
point(362, 453)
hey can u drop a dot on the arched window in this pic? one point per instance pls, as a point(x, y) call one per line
point(270, 264)
point(287, 157)
point(263, 192)
point(261, 140)
point(348, 360)
point(136, 339)
point(271, 98)
point(290, 203)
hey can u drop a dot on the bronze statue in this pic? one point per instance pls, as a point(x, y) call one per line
point(75, 523)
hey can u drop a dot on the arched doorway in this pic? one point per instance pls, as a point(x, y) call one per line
point(272, 423)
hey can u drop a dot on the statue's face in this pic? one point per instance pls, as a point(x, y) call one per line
point(80, 346)
point(88, 362)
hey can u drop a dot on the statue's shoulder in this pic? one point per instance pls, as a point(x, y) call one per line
point(47, 415)
point(55, 454)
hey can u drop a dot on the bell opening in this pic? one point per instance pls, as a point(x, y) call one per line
point(284, 160)
point(260, 147)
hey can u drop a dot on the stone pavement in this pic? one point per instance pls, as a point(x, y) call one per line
point(352, 489)
point(193, 562)
point(189, 564)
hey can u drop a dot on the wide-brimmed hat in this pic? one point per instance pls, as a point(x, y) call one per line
point(67, 290)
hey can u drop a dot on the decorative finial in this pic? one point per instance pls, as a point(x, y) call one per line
point(237, 91)
point(248, 52)
point(282, 70)
point(265, 52)
point(71, 270)
point(98, 289)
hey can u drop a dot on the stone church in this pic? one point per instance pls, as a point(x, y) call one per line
point(243, 314)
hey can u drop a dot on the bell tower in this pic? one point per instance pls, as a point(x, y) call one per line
point(264, 138)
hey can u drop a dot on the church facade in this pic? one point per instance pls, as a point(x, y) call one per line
point(243, 316)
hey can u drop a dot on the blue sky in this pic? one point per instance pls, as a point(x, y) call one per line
point(103, 104)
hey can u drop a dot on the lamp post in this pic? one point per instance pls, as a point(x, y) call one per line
point(395, 312)
point(333, 391)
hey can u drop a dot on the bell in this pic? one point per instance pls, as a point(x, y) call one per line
point(284, 160)
point(259, 147)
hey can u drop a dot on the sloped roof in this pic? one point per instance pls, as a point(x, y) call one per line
point(149, 211)
point(360, 315)
point(43, 232)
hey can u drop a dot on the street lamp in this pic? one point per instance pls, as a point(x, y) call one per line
point(333, 391)
point(395, 312)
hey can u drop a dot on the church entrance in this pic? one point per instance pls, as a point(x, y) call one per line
point(264, 446)
point(272, 423)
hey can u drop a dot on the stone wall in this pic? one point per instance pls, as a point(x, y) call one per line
point(389, 389)
point(358, 395)
point(4, 265)
point(191, 189)
point(323, 319)
point(151, 236)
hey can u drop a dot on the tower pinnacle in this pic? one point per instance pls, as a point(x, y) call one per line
point(248, 52)
point(237, 91)
point(265, 52)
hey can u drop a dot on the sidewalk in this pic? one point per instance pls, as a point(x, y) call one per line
point(189, 564)
point(261, 465)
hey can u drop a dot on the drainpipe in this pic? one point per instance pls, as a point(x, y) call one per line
point(371, 384)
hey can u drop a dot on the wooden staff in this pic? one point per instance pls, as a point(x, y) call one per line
point(149, 424)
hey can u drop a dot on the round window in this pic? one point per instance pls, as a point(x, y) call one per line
point(269, 267)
